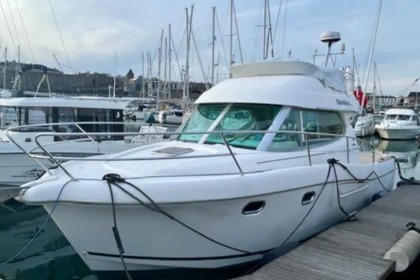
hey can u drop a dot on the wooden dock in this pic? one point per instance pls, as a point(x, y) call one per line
point(353, 249)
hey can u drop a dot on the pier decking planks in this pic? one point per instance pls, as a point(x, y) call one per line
point(353, 249)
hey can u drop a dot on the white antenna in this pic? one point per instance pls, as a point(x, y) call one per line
point(330, 38)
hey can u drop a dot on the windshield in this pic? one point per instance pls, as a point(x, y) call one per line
point(238, 119)
point(390, 117)
point(200, 120)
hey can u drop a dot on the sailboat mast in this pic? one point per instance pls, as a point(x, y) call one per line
point(231, 34)
point(372, 47)
point(374, 88)
point(165, 69)
point(142, 78)
point(187, 66)
point(265, 28)
point(159, 70)
point(115, 74)
point(169, 62)
point(148, 73)
point(218, 63)
point(212, 46)
point(184, 87)
point(269, 32)
point(5, 68)
point(18, 68)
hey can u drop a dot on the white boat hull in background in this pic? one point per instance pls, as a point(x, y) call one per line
point(397, 133)
point(17, 168)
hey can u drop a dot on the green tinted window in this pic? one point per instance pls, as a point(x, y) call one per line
point(201, 119)
point(312, 121)
point(289, 139)
point(241, 120)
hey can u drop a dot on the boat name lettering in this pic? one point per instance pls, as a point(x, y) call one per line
point(342, 102)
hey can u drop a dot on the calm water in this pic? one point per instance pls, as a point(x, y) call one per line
point(50, 256)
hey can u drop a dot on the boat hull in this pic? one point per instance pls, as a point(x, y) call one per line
point(153, 242)
point(397, 133)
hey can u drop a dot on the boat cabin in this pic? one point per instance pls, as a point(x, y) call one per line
point(402, 115)
point(297, 102)
point(66, 110)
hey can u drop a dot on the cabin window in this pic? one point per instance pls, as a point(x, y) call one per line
point(94, 119)
point(322, 122)
point(8, 117)
point(314, 122)
point(36, 115)
point(200, 120)
point(403, 117)
point(241, 120)
point(68, 116)
point(290, 139)
point(391, 117)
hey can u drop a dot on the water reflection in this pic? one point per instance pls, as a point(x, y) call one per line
point(50, 256)
point(406, 152)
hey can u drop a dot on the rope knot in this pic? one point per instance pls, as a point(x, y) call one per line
point(412, 226)
point(112, 178)
point(332, 160)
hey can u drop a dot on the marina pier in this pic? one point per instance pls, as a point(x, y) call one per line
point(352, 249)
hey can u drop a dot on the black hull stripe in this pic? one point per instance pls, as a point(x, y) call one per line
point(178, 259)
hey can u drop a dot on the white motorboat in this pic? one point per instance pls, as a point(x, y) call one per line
point(172, 116)
point(365, 125)
point(399, 124)
point(140, 109)
point(31, 116)
point(268, 159)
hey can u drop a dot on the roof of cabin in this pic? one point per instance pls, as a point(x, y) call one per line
point(333, 78)
point(68, 102)
point(401, 111)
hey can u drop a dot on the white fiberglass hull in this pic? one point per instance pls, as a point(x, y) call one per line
point(398, 133)
point(294, 208)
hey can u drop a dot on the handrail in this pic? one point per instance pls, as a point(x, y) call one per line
point(231, 153)
point(45, 154)
point(8, 133)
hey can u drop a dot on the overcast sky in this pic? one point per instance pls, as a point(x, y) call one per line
point(92, 31)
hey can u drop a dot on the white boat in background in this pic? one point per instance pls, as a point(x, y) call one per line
point(377, 118)
point(365, 125)
point(399, 124)
point(172, 116)
point(258, 167)
point(138, 110)
point(26, 117)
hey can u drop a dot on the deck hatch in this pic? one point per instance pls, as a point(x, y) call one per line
point(174, 151)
